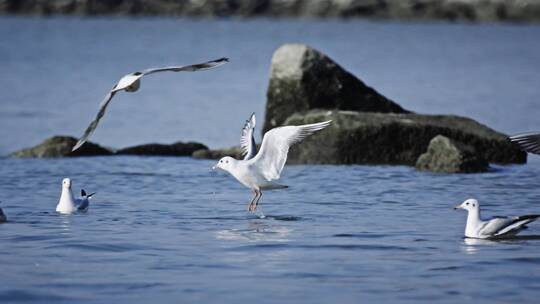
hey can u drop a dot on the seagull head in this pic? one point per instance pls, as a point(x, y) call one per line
point(469, 205)
point(224, 164)
point(66, 183)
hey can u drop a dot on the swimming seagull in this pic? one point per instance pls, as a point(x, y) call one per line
point(495, 227)
point(131, 83)
point(68, 204)
point(528, 142)
point(259, 171)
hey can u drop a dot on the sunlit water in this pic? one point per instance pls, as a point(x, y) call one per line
point(168, 230)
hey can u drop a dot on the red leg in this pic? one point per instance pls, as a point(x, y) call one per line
point(258, 199)
point(250, 206)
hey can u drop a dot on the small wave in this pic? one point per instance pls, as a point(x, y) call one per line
point(16, 295)
point(97, 247)
point(360, 235)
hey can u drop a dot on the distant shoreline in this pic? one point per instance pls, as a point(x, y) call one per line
point(414, 10)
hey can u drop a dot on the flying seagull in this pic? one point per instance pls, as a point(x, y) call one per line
point(259, 171)
point(528, 142)
point(67, 204)
point(132, 82)
point(495, 227)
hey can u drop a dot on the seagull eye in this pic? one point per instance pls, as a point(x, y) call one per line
point(467, 204)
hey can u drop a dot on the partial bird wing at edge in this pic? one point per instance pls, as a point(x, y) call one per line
point(529, 142)
point(189, 68)
point(272, 155)
point(93, 125)
point(247, 141)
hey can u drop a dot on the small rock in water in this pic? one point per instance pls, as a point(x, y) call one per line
point(234, 152)
point(176, 149)
point(448, 156)
point(60, 146)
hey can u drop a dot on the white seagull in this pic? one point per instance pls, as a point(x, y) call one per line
point(496, 227)
point(259, 171)
point(131, 83)
point(528, 142)
point(67, 204)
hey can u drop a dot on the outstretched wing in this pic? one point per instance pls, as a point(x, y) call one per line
point(247, 141)
point(93, 125)
point(529, 142)
point(499, 226)
point(189, 68)
point(275, 146)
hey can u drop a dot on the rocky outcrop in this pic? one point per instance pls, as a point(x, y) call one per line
point(176, 149)
point(234, 152)
point(60, 146)
point(470, 10)
point(302, 79)
point(448, 156)
point(376, 138)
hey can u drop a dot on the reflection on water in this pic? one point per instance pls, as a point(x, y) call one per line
point(256, 231)
point(474, 245)
point(65, 224)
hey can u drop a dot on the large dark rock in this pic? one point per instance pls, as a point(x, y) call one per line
point(375, 138)
point(448, 156)
point(302, 79)
point(176, 149)
point(60, 146)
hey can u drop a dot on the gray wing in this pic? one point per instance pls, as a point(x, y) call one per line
point(82, 204)
point(247, 141)
point(93, 125)
point(529, 142)
point(501, 225)
point(189, 68)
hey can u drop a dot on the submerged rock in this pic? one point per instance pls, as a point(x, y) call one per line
point(60, 146)
point(176, 149)
point(448, 156)
point(302, 79)
point(375, 138)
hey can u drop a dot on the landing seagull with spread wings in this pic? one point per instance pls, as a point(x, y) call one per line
point(132, 82)
point(260, 170)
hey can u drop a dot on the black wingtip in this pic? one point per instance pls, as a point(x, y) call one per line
point(226, 59)
point(83, 193)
